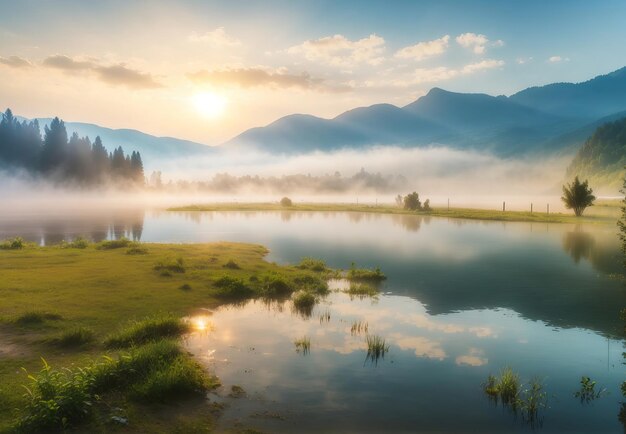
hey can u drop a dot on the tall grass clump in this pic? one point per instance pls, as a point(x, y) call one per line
point(361, 290)
point(359, 327)
point(136, 248)
point(303, 345)
point(76, 243)
point(310, 282)
point(75, 337)
point(313, 264)
point(273, 284)
point(304, 300)
point(376, 348)
point(232, 287)
point(16, 243)
point(35, 317)
point(532, 400)
point(148, 330)
point(587, 391)
point(113, 244)
point(365, 274)
point(170, 265)
point(231, 265)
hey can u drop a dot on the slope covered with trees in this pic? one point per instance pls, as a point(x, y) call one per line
point(56, 157)
point(602, 157)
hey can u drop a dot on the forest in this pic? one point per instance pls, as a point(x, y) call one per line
point(55, 157)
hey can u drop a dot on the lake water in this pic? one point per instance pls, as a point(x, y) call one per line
point(463, 299)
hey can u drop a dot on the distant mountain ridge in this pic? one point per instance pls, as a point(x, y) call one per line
point(530, 121)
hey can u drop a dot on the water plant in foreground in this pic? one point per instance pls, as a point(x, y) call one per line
point(531, 401)
point(148, 330)
point(376, 348)
point(587, 391)
point(359, 327)
point(361, 290)
point(303, 345)
point(504, 387)
point(365, 274)
point(313, 264)
point(303, 302)
point(325, 316)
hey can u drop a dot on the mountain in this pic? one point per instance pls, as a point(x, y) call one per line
point(152, 148)
point(594, 98)
point(552, 118)
point(603, 156)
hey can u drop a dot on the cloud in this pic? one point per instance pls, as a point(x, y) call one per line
point(523, 60)
point(338, 50)
point(259, 77)
point(558, 59)
point(15, 62)
point(475, 357)
point(117, 74)
point(423, 50)
point(476, 42)
point(442, 73)
point(217, 37)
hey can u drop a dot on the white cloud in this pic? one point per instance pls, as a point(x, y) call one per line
point(338, 50)
point(479, 66)
point(477, 43)
point(523, 60)
point(217, 37)
point(557, 59)
point(442, 73)
point(423, 50)
point(475, 357)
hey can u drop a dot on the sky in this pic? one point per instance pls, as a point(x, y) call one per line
point(208, 70)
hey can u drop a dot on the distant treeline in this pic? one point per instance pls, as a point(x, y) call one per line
point(336, 183)
point(74, 160)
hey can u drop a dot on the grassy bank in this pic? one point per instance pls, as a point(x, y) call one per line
point(73, 305)
point(605, 212)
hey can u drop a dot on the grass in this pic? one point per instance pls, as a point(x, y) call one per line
point(76, 243)
point(136, 249)
point(595, 214)
point(587, 391)
point(532, 400)
point(75, 337)
point(231, 265)
point(376, 348)
point(304, 300)
point(170, 266)
point(359, 327)
point(361, 290)
point(104, 289)
point(312, 264)
point(233, 288)
point(147, 330)
point(505, 387)
point(365, 274)
point(303, 345)
point(114, 244)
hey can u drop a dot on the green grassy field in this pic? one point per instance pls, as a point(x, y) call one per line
point(605, 211)
point(54, 298)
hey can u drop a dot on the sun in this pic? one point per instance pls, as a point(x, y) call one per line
point(209, 104)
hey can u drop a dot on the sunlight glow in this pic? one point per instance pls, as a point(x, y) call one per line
point(209, 104)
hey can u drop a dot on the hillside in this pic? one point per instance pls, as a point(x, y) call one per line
point(602, 158)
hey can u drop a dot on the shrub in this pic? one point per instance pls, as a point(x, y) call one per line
point(75, 337)
point(412, 202)
point(148, 330)
point(113, 244)
point(35, 317)
point(286, 202)
point(273, 284)
point(365, 274)
point(231, 265)
point(16, 243)
point(170, 265)
point(77, 243)
point(311, 283)
point(312, 264)
point(232, 287)
point(304, 300)
point(376, 348)
point(136, 249)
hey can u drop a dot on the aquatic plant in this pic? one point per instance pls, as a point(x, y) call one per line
point(505, 387)
point(365, 274)
point(148, 330)
point(303, 345)
point(74, 337)
point(361, 290)
point(303, 303)
point(325, 316)
point(310, 282)
point(587, 391)
point(171, 265)
point(113, 244)
point(376, 348)
point(531, 401)
point(231, 265)
point(274, 285)
point(359, 327)
point(313, 264)
point(232, 287)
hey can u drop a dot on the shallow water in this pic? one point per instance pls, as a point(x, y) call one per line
point(463, 299)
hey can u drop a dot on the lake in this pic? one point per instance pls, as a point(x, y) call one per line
point(463, 299)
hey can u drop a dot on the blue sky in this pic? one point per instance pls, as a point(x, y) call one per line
point(227, 66)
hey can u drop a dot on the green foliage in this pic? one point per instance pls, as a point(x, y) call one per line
point(312, 264)
point(286, 202)
point(171, 265)
point(16, 243)
point(358, 289)
point(376, 348)
point(365, 274)
point(505, 387)
point(232, 287)
point(75, 337)
point(148, 330)
point(136, 248)
point(311, 283)
point(35, 317)
point(231, 265)
point(427, 205)
point(578, 196)
point(76, 243)
point(359, 327)
point(532, 400)
point(113, 244)
point(274, 285)
point(587, 391)
point(412, 202)
point(303, 345)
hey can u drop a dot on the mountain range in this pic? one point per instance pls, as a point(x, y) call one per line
point(553, 118)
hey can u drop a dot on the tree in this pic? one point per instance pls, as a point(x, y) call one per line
point(54, 152)
point(399, 201)
point(285, 201)
point(578, 196)
point(427, 205)
point(136, 168)
point(412, 201)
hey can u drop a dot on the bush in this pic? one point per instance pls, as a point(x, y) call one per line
point(412, 202)
point(285, 201)
point(75, 337)
point(16, 243)
point(148, 330)
point(170, 265)
point(312, 264)
point(232, 287)
point(274, 285)
point(113, 244)
point(77, 243)
point(311, 283)
point(136, 249)
point(304, 300)
point(231, 265)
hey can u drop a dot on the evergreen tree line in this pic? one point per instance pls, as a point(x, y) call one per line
point(56, 157)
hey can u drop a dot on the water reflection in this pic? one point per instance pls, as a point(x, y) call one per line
point(433, 364)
